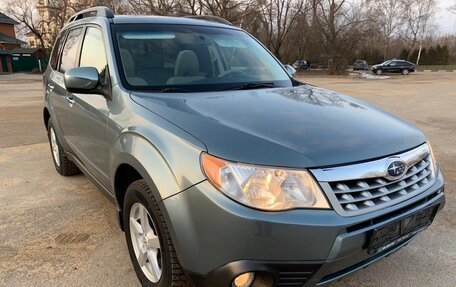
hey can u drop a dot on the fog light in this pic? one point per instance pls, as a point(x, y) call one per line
point(244, 280)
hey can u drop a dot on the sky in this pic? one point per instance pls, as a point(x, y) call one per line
point(445, 19)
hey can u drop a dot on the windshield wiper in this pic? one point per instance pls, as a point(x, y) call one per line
point(174, 90)
point(250, 86)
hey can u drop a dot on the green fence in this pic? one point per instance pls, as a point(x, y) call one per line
point(26, 62)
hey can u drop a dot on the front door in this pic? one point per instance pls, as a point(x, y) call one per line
point(88, 114)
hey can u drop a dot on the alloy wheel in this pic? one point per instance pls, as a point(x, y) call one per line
point(55, 147)
point(146, 243)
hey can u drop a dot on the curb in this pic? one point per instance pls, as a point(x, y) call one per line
point(437, 71)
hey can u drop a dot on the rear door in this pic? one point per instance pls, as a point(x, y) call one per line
point(68, 47)
point(88, 113)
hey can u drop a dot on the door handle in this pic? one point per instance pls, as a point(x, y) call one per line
point(70, 101)
point(50, 87)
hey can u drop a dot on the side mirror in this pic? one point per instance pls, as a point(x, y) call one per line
point(82, 80)
point(290, 70)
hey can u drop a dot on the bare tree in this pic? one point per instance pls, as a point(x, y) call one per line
point(154, 7)
point(388, 14)
point(278, 18)
point(117, 6)
point(43, 18)
point(418, 16)
point(452, 8)
point(342, 24)
point(192, 7)
point(24, 11)
point(300, 39)
point(236, 11)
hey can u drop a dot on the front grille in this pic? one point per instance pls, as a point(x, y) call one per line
point(354, 195)
point(363, 188)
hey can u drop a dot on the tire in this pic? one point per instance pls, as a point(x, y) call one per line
point(170, 272)
point(405, 72)
point(62, 164)
point(379, 72)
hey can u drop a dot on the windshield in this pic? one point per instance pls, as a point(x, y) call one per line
point(193, 58)
point(386, 62)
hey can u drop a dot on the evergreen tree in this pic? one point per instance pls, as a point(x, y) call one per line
point(404, 54)
point(445, 55)
point(431, 56)
point(438, 55)
point(423, 57)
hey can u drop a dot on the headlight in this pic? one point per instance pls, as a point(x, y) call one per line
point(265, 188)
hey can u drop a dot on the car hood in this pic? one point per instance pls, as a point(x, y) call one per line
point(300, 126)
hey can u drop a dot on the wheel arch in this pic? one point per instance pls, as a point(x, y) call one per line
point(134, 158)
point(128, 170)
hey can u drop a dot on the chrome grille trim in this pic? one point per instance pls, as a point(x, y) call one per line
point(365, 187)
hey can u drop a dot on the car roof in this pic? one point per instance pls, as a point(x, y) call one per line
point(124, 19)
point(127, 19)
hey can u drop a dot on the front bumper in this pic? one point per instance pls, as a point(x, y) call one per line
point(217, 239)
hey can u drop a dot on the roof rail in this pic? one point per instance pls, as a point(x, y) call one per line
point(99, 11)
point(211, 18)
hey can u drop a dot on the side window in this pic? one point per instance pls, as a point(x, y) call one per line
point(70, 50)
point(93, 50)
point(55, 52)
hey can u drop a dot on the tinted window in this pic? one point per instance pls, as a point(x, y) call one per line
point(70, 50)
point(93, 51)
point(55, 52)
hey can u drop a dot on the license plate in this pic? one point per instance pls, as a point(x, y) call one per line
point(391, 234)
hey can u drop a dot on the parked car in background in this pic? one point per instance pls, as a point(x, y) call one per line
point(360, 65)
point(301, 65)
point(394, 66)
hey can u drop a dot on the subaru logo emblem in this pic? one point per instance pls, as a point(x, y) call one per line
point(396, 168)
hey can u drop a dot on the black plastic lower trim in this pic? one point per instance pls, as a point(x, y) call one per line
point(363, 264)
point(269, 273)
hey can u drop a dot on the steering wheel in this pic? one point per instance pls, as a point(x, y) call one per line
point(232, 73)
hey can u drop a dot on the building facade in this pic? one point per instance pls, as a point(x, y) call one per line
point(8, 38)
point(8, 42)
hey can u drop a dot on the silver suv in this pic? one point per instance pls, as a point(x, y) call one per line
point(225, 170)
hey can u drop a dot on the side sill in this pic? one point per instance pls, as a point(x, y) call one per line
point(101, 187)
